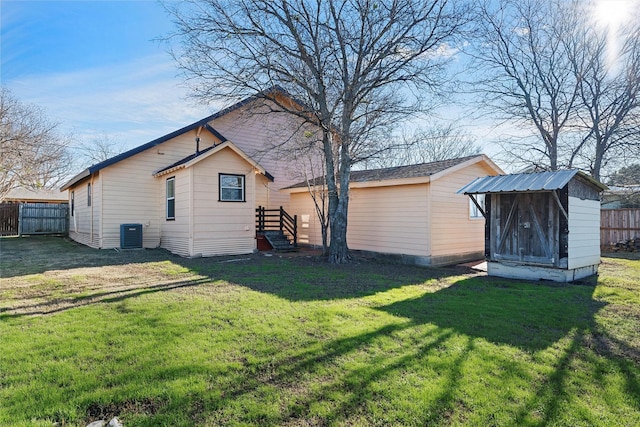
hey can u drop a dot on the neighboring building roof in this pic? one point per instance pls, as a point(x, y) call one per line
point(203, 122)
point(621, 196)
point(201, 155)
point(420, 170)
point(28, 195)
point(523, 182)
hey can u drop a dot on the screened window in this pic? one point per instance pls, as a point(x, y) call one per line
point(89, 194)
point(231, 188)
point(474, 212)
point(73, 202)
point(171, 198)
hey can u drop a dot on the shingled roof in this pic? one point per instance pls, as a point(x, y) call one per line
point(203, 122)
point(397, 172)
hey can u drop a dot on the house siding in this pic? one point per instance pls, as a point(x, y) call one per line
point(453, 231)
point(309, 230)
point(84, 223)
point(222, 228)
point(260, 135)
point(131, 194)
point(176, 233)
point(389, 220)
point(584, 235)
point(426, 222)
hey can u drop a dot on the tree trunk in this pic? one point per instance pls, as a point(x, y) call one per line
point(597, 161)
point(338, 249)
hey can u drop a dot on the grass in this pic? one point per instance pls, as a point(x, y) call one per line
point(161, 340)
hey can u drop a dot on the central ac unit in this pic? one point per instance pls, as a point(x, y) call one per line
point(131, 236)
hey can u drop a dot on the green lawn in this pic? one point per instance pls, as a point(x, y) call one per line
point(252, 340)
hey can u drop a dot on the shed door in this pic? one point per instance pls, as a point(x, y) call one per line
point(525, 228)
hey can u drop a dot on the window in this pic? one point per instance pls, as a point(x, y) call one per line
point(171, 198)
point(231, 188)
point(474, 212)
point(89, 194)
point(73, 199)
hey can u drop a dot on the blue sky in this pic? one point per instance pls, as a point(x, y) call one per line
point(95, 67)
point(98, 69)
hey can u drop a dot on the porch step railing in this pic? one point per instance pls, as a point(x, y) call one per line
point(277, 220)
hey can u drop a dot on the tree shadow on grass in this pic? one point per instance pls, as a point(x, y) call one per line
point(300, 278)
point(54, 305)
point(20, 256)
point(530, 316)
point(314, 279)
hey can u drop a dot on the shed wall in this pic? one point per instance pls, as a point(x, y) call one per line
point(584, 233)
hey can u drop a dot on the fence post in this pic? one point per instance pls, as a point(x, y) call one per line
point(260, 219)
point(21, 206)
point(295, 231)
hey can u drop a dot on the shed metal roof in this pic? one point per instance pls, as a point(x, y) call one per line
point(523, 182)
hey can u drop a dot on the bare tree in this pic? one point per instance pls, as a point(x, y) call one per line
point(33, 154)
point(428, 145)
point(609, 97)
point(305, 160)
point(357, 66)
point(528, 78)
point(99, 149)
point(545, 70)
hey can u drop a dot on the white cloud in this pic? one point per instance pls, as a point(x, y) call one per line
point(135, 101)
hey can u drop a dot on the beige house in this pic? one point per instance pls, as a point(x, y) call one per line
point(411, 213)
point(193, 191)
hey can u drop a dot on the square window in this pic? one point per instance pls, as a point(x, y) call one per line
point(231, 188)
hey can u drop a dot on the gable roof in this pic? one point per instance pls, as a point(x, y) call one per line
point(524, 182)
point(203, 122)
point(208, 152)
point(421, 172)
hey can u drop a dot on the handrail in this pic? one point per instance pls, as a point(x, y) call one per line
point(277, 219)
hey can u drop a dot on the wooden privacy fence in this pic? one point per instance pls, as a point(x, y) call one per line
point(618, 225)
point(34, 218)
point(9, 213)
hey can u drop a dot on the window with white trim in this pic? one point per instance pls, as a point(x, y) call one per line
point(231, 188)
point(89, 194)
point(171, 198)
point(73, 203)
point(474, 212)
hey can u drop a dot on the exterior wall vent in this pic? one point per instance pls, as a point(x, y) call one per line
point(131, 236)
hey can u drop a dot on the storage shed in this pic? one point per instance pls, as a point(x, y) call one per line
point(542, 225)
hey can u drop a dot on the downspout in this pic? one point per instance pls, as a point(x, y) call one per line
point(191, 213)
